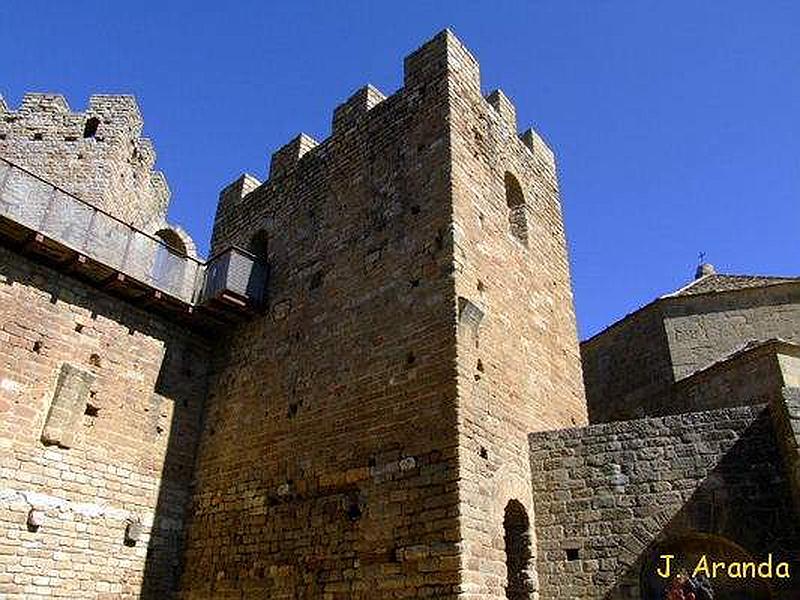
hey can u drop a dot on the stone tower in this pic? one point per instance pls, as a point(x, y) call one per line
point(365, 437)
point(98, 155)
point(102, 372)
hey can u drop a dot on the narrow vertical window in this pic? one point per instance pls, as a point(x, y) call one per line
point(90, 129)
point(517, 217)
point(259, 246)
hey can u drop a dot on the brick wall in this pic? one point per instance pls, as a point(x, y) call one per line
point(518, 365)
point(610, 494)
point(328, 463)
point(100, 408)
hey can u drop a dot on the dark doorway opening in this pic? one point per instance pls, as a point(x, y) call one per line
point(518, 551)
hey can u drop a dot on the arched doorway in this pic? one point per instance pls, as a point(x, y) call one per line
point(516, 527)
point(170, 264)
point(259, 246)
point(687, 553)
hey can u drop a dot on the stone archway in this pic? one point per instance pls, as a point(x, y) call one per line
point(169, 265)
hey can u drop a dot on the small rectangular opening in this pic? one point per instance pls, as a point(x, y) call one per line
point(572, 553)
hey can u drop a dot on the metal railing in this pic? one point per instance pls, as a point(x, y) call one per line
point(42, 207)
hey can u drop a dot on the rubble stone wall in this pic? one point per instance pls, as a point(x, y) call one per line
point(606, 495)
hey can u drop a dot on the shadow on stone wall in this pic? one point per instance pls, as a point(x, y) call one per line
point(173, 409)
point(163, 564)
point(743, 507)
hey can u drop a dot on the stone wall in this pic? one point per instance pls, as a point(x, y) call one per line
point(328, 464)
point(754, 375)
point(786, 412)
point(608, 496)
point(627, 365)
point(518, 360)
point(629, 368)
point(97, 155)
point(703, 329)
point(100, 407)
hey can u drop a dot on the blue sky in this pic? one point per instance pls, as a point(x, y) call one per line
point(676, 124)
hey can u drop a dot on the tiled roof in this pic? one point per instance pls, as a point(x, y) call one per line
point(707, 284)
point(718, 282)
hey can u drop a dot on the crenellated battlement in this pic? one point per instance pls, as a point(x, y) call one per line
point(287, 156)
point(118, 118)
point(349, 112)
point(504, 107)
point(442, 57)
point(98, 154)
point(442, 72)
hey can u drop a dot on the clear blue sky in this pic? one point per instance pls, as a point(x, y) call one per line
point(676, 124)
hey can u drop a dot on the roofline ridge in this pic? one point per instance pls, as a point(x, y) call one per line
point(692, 283)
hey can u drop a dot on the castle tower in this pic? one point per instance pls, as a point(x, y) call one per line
point(518, 363)
point(366, 436)
point(98, 155)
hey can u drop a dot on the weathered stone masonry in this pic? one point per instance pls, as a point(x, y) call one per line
point(395, 329)
point(630, 368)
point(719, 478)
point(123, 455)
point(100, 401)
point(97, 155)
point(608, 496)
point(519, 369)
point(401, 414)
